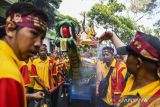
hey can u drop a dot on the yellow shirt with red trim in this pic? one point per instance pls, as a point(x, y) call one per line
point(146, 96)
point(67, 63)
point(59, 69)
point(11, 81)
point(116, 84)
point(43, 72)
point(28, 71)
point(53, 62)
point(64, 66)
point(53, 70)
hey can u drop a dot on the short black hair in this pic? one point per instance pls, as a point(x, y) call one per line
point(2, 31)
point(27, 9)
point(108, 48)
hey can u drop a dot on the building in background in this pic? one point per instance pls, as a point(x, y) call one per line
point(49, 40)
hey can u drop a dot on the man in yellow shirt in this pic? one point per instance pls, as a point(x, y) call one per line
point(29, 74)
point(111, 86)
point(28, 71)
point(143, 62)
point(100, 72)
point(44, 70)
point(25, 28)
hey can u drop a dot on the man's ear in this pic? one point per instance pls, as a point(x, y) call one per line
point(140, 62)
point(10, 29)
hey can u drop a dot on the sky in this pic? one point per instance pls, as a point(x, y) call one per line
point(75, 7)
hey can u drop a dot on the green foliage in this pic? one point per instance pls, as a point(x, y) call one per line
point(146, 7)
point(157, 32)
point(143, 6)
point(109, 16)
point(154, 32)
point(3, 10)
point(62, 17)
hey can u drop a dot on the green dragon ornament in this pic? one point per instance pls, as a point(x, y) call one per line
point(66, 40)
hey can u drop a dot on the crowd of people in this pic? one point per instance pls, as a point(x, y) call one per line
point(136, 82)
point(42, 73)
point(28, 73)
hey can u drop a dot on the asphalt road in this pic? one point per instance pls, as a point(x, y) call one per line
point(75, 103)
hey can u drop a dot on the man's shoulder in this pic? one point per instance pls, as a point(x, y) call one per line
point(36, 60)
point(120, 63)
point(9, 68)
point(120, 67)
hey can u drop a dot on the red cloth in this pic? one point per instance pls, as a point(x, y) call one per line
point(33, 70)
point(26, 74)
point(53, 72)
point(11, 93)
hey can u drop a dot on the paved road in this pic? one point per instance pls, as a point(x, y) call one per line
point(76, 103)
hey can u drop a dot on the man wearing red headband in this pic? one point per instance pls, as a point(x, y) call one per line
point(25, 29)
point(143, 62)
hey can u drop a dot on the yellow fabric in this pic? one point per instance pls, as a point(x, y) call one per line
point(10, 64)
point(57, 65)
point(42, 71)
point(29, 64)
point(32, 82)
point(124, 72)
point(63, 44)
point(101, 70)
point(108, 98)
point(145, 92)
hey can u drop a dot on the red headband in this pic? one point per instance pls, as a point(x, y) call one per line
point(28, 21)
point(143, 47)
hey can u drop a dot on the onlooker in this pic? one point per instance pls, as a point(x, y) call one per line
point(44, 70)
point(112, 84)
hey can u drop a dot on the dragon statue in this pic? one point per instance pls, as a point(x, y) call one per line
point(66, 40)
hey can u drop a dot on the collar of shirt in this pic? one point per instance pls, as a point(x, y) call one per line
point(144, 92)
point(113, 63)
point(45, 61)
point(8, 50)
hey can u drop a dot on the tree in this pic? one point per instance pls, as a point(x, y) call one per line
point(157, 32)
point(142, 6)
point(109, 17)
point(145, 7)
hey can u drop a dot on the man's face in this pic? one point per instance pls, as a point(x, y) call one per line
point(132, 64)
point(107, 55)
point(54, 54)
point(43, 54)
point(28, 42)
